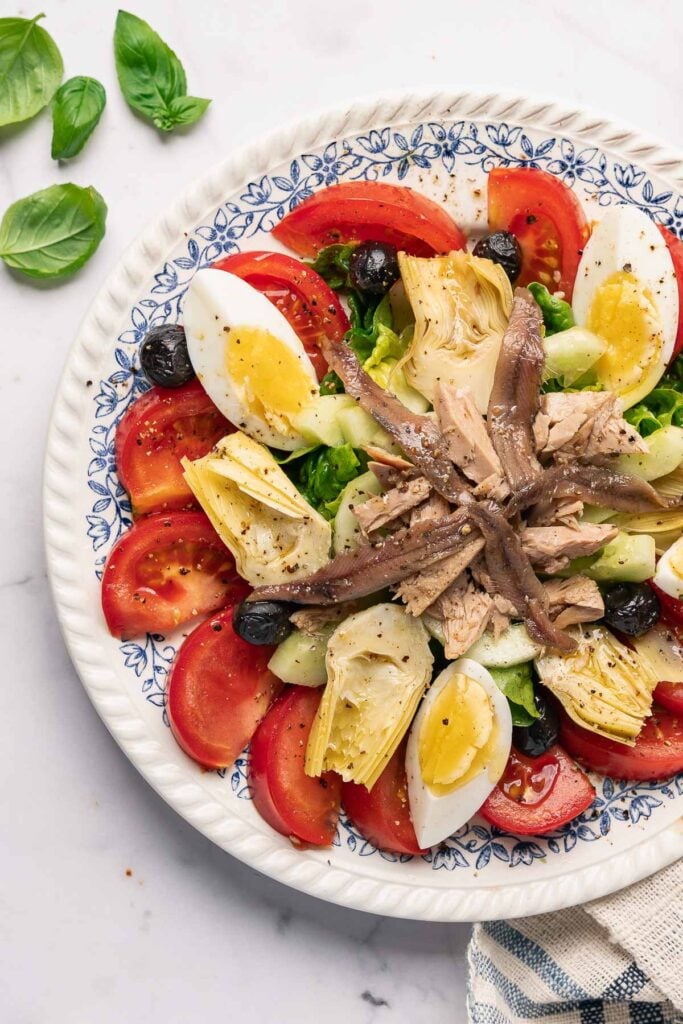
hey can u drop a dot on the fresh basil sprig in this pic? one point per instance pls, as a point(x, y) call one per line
point(76, 111)
point(53, 232)
point(31, 68)
point(151, 77)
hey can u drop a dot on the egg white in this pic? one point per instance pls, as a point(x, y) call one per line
point(216, 300)
point(437, 817)
point(666, 577)
point(627, 240)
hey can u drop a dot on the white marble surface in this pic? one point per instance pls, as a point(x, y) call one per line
point(111, 908)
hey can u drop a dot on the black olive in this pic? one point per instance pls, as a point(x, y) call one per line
point(373, 267)
point(164, 357)
point(631, 608)
point(262, 622)
point(533, 740)
point(502, 248)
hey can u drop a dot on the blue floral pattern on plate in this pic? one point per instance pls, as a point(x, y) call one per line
point(433, 149)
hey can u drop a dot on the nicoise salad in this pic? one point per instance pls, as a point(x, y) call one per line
point(418, 501)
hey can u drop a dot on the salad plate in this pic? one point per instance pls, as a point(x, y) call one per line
point(443, 145)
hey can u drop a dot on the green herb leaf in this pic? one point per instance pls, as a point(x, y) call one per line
point(663, 406)
point(151, 77)
point(31, 68)
point(518, 686)
point(53, 232)
point(324, 473)
point(367, 318)
point(331, 384)
point(76, 111)
point(557, 314)
point(332, 263)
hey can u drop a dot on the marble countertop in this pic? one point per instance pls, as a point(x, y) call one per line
point(111, 907)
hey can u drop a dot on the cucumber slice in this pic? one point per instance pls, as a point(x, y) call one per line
point(345, 530)
point(513, 647)
point(571, 353)
point(300, 659)
point(319, 422)
point(629, 558)
point(358, 428)
point(664, 456)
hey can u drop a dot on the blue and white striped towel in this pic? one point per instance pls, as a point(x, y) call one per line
point(616, 961)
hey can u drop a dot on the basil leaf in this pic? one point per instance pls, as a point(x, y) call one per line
point(76, 112)
point(518, 686)
point(184, 110)
point(151, 77)
point(53, 232)
point(31, 68)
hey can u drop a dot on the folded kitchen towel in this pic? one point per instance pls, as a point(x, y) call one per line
point(618, 960)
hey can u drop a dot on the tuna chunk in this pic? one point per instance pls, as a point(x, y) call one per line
point(551, 548)
point(464, 431)
point(314, 621)
point(574, 600)
point(586, 425)
point(465, 611)
point(385, 508)
point(422, 589)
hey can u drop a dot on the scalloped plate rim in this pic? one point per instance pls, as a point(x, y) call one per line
point(335, 884)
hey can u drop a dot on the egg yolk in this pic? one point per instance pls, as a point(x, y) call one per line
point(625, 315)
point(457, 736)
point(271, 377)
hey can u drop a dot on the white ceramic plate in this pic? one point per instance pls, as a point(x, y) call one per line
point(442, 145)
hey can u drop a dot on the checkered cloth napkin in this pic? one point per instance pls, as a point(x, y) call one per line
point(618, 960)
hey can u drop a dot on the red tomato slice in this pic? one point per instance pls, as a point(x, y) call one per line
point(361, 211)
point(670, 696)
point(658, 751)
point(671, 609)
point(546, 218)
point(218, 691)
point(382, 815)
point(293, 803)
point(166, 570)
point(154, 434)
point(538, 794)
point(675, 246)
point(305, 300)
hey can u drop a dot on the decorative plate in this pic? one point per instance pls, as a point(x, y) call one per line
point(442, 145)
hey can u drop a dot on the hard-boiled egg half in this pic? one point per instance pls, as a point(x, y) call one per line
point(626, 293)
point(457, 750)
point(669, 573)
point(247, 357)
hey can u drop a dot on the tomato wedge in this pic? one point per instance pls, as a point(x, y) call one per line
point(382, 815)
point(218, 691)
point(155, 432)
point(293, 803)
point(658, 751)
point(166, 570)
point(305, 300)
point(671, 609)
point(546, 218)
point(538, 794)
point(675, 247)
point(361, 211)
point(670, 696)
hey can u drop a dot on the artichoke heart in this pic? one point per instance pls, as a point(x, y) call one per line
point(378, 667)
point(602, 685)
point(462, 306)
point(272, 531)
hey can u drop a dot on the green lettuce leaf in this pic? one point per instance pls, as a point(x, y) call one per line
point(557, 314)
point(321, 475)
point(663, 406)
point(518, 686)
